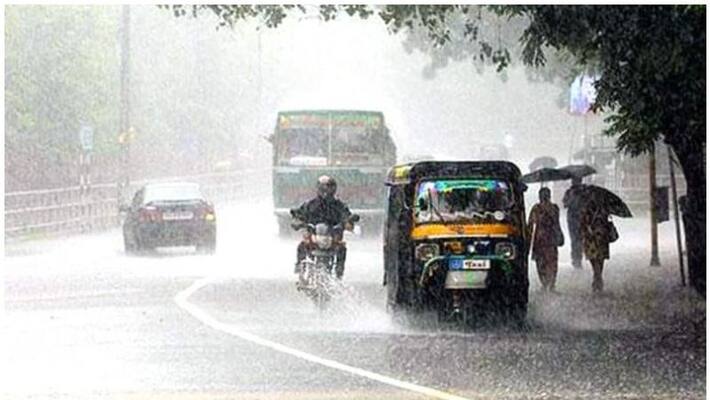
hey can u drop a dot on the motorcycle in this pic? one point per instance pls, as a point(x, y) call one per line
point(316, 276)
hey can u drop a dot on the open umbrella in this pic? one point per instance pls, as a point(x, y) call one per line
point(605, 199)
point(579, 170)
point(543, 162)
point(546, 175)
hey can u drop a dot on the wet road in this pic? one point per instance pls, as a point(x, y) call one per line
point(82, 320)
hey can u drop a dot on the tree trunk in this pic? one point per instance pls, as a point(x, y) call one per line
point(693, 163)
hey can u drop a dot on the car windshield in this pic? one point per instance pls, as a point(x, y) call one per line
point(172, 192)
point(463, 200)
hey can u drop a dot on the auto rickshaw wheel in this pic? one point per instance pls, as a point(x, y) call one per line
point(512, 306)
point(400, 314)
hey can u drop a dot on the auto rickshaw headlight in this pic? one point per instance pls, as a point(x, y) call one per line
point(505, 250)
point(426, 251)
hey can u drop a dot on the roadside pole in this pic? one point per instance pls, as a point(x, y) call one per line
point(655, 261)
point(125, 122)
point(674, 193)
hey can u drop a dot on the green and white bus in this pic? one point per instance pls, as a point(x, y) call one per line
point(352, 146)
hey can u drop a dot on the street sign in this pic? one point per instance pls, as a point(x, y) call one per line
point(86, 138)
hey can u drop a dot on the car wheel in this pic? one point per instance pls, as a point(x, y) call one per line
point(143, 248)
point(208, 247)
point(129, 243)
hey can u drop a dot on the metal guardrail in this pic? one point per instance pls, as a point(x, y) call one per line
point(96, 207)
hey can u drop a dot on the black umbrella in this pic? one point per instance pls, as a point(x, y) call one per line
point(598, 196)
point(546, 175)
point(579, 170)
point(543, 162)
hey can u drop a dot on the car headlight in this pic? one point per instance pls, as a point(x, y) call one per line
point(505, 250)
point(324, 241)
point(426, 251)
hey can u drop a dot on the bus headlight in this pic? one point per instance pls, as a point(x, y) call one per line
point(505, 250)
point(426, 251)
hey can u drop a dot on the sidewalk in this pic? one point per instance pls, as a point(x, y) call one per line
point(636, 295)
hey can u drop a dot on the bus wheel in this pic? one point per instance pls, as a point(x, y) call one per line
point(285, 228)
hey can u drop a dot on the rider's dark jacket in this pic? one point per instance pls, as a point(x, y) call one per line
point(329, 210)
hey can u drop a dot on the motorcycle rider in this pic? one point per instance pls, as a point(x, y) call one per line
point(324, 208)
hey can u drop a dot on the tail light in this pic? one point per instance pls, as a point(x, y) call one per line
point(149, 214)
point(206, 213)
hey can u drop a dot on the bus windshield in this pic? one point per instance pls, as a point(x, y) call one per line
point(332, 138)
point(301, 145)
point(463, 200)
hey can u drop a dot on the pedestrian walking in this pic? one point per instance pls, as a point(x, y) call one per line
point(572, 202)
point(597, 232)
point(546, 235)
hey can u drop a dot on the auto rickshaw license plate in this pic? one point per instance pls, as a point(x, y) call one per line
point(476, 264)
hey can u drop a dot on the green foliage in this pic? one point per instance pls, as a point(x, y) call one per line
point(230, 14)
point(61, 69)
point(651, 60)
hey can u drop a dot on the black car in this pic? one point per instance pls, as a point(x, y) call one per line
point(169, 214)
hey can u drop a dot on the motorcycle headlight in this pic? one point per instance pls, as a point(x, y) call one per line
point(324, 241)
point(426, 251)
point(505, 250)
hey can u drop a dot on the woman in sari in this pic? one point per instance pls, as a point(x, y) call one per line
point(544, 229)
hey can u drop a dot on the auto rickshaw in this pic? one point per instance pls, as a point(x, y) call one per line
point(454, 240)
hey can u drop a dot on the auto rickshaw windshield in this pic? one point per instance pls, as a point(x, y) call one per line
point(461, 200)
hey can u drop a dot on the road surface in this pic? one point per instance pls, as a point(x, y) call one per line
point(83, 320)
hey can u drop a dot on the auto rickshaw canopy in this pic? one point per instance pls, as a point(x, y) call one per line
point(405, 174)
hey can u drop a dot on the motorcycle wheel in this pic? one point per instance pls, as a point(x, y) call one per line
point(321, 300)
point(321, 296)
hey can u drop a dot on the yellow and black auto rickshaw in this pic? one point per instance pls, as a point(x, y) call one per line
point(454, 239)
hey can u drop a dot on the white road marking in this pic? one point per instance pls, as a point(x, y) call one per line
point(182, 302)
point(75, 295)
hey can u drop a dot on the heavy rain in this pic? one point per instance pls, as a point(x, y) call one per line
point(354, 202)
